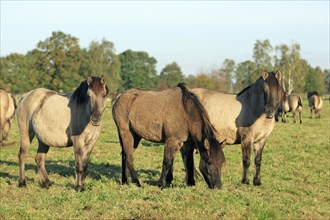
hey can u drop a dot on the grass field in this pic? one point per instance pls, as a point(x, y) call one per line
point(295, 174)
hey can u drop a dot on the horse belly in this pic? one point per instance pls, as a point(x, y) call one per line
point(51, 122)
point(147, 125)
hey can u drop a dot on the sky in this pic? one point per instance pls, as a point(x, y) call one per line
point(197, 35)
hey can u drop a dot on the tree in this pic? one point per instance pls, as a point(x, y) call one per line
point(293, 68)
point(18, 73)
point(171, 75)
point(315, 80)
point(100, 59)
point(138, 70)
point(261, 55)
point(246, 73)
point(227, 70)
point(58, 61)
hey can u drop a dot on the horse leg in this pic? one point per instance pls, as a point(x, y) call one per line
point(300, 117)
point(40, 161)
point(258, 148)
point(129, 143)
point(26, 137)
point(82, 153)
point(283, 117)
point(187, 153)
point(246, 151)
point(170, 150)
point(294, 116)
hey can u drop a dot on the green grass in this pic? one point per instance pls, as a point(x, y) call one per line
point(295, 175)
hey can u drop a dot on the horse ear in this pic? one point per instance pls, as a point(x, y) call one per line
point(89, 80)
point(264, 74)
point(278, 75)
point(103, 80)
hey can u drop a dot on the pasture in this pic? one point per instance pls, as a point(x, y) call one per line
point(295, 174)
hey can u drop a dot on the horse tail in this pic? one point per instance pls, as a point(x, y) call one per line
point(300, 101)
point(197, 114)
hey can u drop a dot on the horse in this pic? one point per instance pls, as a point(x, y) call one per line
point(292, 103)
point(62, 120)
point(315, 103)
point(8, 106)
point(246, 118)
point(174, 117)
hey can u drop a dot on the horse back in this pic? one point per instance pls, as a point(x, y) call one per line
point(223, 110)
point(4, 105)
point(317, 102)
point(48, 114)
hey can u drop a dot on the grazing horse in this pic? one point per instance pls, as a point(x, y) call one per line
point(246, 118)
point(315, 103)
point(7, 111)
point(62, 120)
point(292, 103)
point(174, 117)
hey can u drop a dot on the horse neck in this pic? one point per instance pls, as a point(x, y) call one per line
point(80, 115)
point(253, 99)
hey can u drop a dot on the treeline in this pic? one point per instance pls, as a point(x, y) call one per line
point(60, 63)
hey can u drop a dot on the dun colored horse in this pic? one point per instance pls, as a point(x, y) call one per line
point(315, 103)
point(61, 121)
point(174, 117)
point(292, 103)
point(7, 112)
point(246, 118)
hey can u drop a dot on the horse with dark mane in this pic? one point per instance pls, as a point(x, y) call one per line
point(246, 118)
point(315, 103)
point(292, 103)
point(62, 120)
point(7, 111)
point(174, 117)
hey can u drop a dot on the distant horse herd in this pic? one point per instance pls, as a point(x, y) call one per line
point(183, 119)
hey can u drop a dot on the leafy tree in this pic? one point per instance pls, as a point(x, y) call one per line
point(261, 55)
point(246, 73)
point(171, 75)
point(293, 68)
point(138, 70)
point(327, 79)
point(201, 80)
point(18, 73)
point(227, 70)
point(58, 61)
point(100, 59)
point(315, 80)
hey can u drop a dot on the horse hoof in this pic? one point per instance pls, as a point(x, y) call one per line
point(22, 184)
point(46, 184)
point(191, 183)
point(256, 182)
point(79, 188)
point(246, 181)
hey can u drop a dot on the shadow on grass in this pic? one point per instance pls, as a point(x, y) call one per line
point(94, 171)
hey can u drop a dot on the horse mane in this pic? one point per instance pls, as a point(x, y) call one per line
point(187, 96)
point(80, 94)
point(271, 81)
point(240, 93)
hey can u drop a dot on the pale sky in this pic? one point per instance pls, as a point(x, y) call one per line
point(198, 35)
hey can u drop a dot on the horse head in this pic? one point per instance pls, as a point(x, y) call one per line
point(97, 92)
point(211, 161)
point(274, 93)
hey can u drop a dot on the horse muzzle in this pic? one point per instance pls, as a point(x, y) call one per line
point(95, 121)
